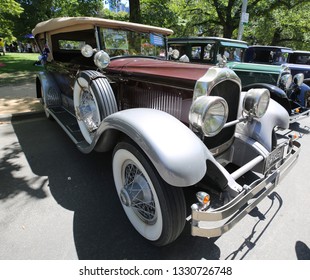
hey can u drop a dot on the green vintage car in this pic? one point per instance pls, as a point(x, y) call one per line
point(289, 91)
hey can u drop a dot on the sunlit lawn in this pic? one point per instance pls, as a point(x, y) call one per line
point(18, 68)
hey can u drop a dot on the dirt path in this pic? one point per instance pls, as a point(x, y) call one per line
point(19, 99)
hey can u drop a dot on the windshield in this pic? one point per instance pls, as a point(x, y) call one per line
point(266, 56)
point(299, 58)
point(125, 42)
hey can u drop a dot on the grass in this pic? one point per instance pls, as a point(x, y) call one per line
point(18, 68)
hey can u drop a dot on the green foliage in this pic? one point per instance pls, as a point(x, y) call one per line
point(286, 25)
point(106, 13)
point(271, 22)
point(276, 22)
point(39, 10)
point(9, 10)
point(157, 13)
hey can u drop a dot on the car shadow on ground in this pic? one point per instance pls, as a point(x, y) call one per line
point(83, 183)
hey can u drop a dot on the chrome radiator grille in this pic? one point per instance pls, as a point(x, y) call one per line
point(170, 102)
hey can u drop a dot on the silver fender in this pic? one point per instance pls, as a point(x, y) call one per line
point(177, 153)
point(261, 129)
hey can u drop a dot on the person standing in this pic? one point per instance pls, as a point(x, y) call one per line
point(2, 46)
point(29, 48)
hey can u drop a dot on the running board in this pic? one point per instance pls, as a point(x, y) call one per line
point(68, 123)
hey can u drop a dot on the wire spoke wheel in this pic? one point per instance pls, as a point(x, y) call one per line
point(154, 208)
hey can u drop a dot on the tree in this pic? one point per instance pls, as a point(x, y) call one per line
point(157, 13)
point(285, 26)
point(134, 10)
point(9, 10)
point(39, 10)
point(271, 22)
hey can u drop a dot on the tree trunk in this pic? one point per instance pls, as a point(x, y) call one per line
point(228, 30)
point(135, 13)
point(276, 37)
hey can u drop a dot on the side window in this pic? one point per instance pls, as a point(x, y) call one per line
point(66, 47)
point(70, 45)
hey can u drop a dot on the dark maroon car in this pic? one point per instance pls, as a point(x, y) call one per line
point(171, 125)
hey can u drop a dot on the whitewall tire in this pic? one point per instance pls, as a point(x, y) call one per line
point(154, 208)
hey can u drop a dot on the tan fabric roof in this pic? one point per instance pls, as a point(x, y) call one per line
point(63, 22)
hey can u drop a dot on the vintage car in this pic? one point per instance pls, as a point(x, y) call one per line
point(299, 57)
point(291, 92)
point(287, 58)
point(267, 54)
point(299, 62)
point(296, 61)
point(264, 71)
point(172, 126)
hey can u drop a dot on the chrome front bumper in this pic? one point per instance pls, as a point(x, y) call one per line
point(300, 116)
point(215, 222)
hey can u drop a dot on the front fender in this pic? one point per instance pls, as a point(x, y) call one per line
point(47, 89)
point(261, 129)
point(177, 153)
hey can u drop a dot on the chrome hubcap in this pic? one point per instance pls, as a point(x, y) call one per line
point(88, 112)
point(137, 194)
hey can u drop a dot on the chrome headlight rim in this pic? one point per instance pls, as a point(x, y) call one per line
point(286, 81)
point(208, 114)
point(87, 51)
point(101, 59)
point(298, 79)
point(256, 102)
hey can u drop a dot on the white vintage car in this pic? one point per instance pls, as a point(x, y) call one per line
point(172, 125)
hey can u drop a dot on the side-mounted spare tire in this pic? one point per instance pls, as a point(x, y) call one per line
point(93, 100)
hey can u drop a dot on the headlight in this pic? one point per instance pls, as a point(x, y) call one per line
point(208, 114)
point(256, 102)
point(285, 81)
point(299, 79)
point(101, 59)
